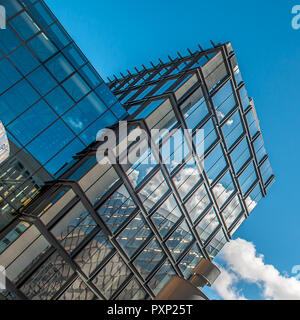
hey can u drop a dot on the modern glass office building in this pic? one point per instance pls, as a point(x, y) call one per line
point(79, 227)
point(52, 102)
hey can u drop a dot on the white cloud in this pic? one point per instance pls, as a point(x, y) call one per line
point(225, 286)
point(245, 264)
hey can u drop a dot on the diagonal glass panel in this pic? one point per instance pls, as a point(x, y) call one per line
point(187, 178)
point(117, 209)
point(48, 279)
point(135, 235)
point(232, 129)
point(232, 211)
point(133, 291)
point(216, 244)
point(94, 253)
point(208, 225)
point(248, 178)
point(112, 276)
point(154, 190)
point(180, 240)
point(161, 278)
point(149, 259)
point(189, 262)
point(166, 216)
point(240, 155)
point(198, 203)
point(224, 189)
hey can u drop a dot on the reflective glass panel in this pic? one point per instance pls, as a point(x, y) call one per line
point(153, 191)
point(248, 178)
point(190, 261)
point(166, 216)
point(215, 163)
point(117, 209)
point(207, 225)
point(198, 203)
point(232, 129)
point(224, 189)
point(149, 259)
point(134, 235)
point(187, 178)
point(180, 240)
point(240, 155)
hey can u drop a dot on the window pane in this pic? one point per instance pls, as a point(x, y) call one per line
point(252, 123)
point(166, 216)
point(64, 156)
point(94, 254)
point(8, 76)
point(198, 203)
point(16, 100)
point(215, 163)
point(90, 76)
point(266, 171)
point(224, 100)
point(8, 40)
point(149, 259)
point(232, 211)
point(240, 155)
point(187, 178)
point(45, 146)
point(207, 225)
point(244, 98)
point(59, 67)
point(76, 87)
point(42, 80)
point(74, 228)
point(32, 122)
point(74, 55)
point(48, 279)
point(153, 191)
point(41, 14)
point(134, 235)
point(224, 189)
point(58, 35)
point(12, 7)
point(204, 139)
point(253, 199)
point(259, 149)
point(84, 113)
point(24, 26)
point(112, 276)
point(24, 60)
point(133, 291)
point(174, 150)
point(42, 47)
point(248, 178)
point(161, 278)
point(78, 291)
point(196, 114)
point(180, 240)
point(59, 100)
point(106, 95)
point(232, 130)
point(142, 168)
point(190, 261)
point(117, 209)
point(216, 245)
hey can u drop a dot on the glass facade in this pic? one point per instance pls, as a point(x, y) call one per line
point(52, 102)
point(119, 231)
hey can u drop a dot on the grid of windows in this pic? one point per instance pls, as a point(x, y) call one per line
point(140, 224)
point(49, 92)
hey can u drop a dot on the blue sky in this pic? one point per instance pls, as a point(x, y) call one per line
point(121, 34)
